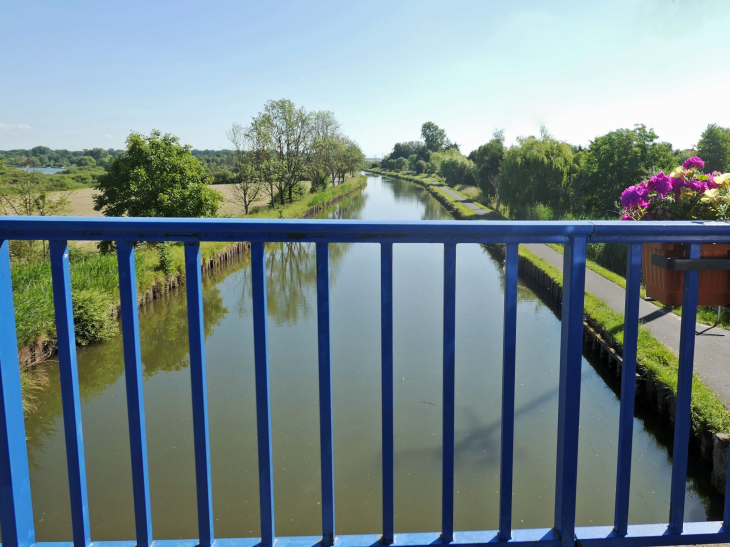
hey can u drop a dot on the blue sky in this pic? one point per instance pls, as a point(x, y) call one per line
point(80, 74)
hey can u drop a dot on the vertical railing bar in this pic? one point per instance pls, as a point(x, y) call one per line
point(509, 342)
point(449, 386)
point(325, 395)
point(263, 401)
point(726, 511)
point(571, 346)
point(683, 407)
point(71, 398)
point(16, 507)
point(628, 388)
point(135, 395)
point(199, 392)
point(386, 337)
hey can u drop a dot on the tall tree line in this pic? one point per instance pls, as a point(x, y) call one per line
point(565, 179)
point(284, 145)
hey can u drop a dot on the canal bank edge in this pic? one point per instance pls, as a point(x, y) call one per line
point(656, 365)
point(42, 349)
point(457, 209)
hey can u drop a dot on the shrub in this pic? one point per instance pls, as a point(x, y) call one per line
point(92, 317)
point(164, 254)
point(420, 167)
point(456, 169)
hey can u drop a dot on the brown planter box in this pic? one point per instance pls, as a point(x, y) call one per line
point(666, 285)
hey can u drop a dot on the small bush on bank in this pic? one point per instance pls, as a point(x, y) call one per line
point(164, 254)
point(92, 317)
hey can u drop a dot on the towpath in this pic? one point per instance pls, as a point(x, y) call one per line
point(712, 346)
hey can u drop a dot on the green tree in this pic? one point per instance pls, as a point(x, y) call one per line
point(420, 167)
point(248, 185)
point(434, 137)
point(288, 131)
point(98, 154)
point(401, 164)
point(617, 160)
point(456, 168)
point(714, 148)
point(85, 161)
point(156, 177)
point(536, 170)
point(488, 164)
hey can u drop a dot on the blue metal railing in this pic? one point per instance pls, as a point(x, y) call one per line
point(16, 514)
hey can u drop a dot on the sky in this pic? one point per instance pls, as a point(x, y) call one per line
point(81, 74)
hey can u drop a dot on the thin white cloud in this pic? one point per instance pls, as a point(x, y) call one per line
point(108, 136)
point(18, 126)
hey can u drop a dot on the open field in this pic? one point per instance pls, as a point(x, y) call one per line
point(81, 203)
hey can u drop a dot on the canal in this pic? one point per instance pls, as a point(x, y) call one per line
point(355, 319)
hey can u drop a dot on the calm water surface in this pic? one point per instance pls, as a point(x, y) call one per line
point(44, 170)
point(355, 317)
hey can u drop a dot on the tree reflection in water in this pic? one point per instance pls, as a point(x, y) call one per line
point(291, 271)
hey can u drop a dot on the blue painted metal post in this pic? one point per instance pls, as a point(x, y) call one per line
point(509, 343)
point(68, 369)
point(325, 395)
point(16, 507)
point(263, 401)
point(726, 512)
point(386, 337)
point(628, 389)
point(199, 390)
point(683, 409)
point(449, 387)
point(135, 395)
point(571, 347)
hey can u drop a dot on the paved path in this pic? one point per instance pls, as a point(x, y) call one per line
point(712, 347)
point(488, 215)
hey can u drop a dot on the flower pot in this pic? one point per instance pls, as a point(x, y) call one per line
point(666, 285)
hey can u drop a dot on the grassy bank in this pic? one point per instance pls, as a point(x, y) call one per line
point(97, 273)
point(455, 207)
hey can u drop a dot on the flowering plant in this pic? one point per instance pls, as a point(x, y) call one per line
point(684, 194)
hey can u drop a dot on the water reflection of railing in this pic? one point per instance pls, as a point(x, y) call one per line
point(16, 513)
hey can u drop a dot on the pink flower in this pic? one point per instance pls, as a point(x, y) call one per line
point(626, 217)
point(632, 196)
point(711, 183)
point(661, 183)
point(693, 162)
point(698, 185)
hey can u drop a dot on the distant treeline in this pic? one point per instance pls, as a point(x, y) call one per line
point(42, 156)
point(542, 177)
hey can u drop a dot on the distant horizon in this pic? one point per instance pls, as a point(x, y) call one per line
point(580, 69)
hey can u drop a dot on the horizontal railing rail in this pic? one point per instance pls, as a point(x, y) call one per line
point(16, 514)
